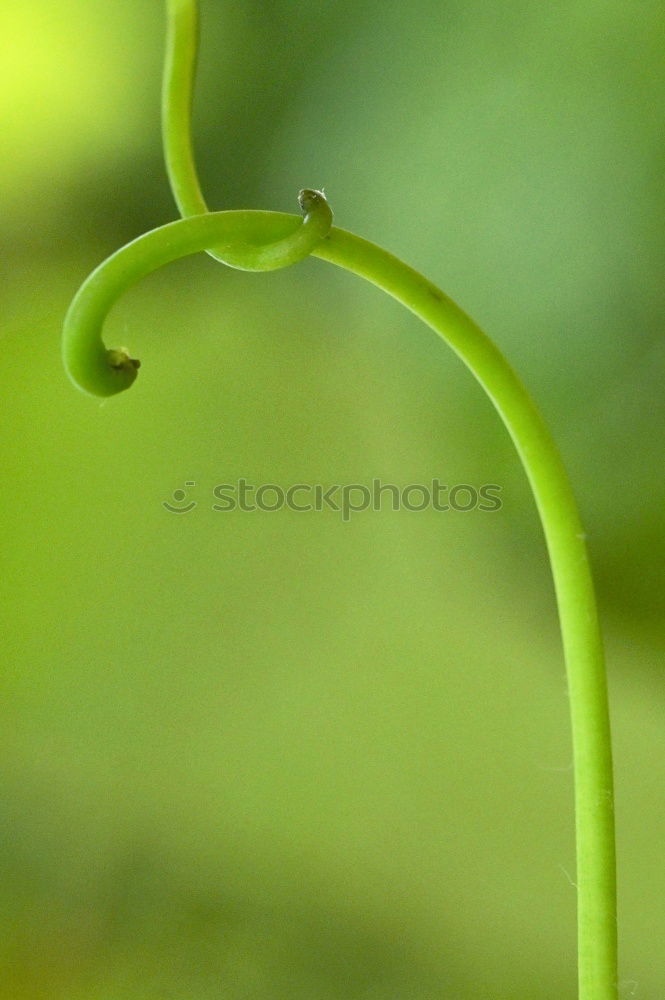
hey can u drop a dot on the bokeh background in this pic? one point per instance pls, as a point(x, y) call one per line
point(274, 755)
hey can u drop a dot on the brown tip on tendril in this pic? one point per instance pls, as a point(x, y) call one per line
point(120, 361)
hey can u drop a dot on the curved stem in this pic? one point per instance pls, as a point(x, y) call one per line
point(253, 241)
point(587, 686)
point(88, 366)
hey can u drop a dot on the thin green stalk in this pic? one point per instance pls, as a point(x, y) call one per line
point(265, 240)
point(181, 53)
point(592, 753)
point(177, 95)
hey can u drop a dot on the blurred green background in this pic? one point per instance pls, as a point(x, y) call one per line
point(274, 755)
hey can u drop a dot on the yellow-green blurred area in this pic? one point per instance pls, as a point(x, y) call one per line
point(272, 755)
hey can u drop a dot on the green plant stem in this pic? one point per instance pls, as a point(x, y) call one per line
point(177, 93)
point(266, 240)
point(87, 362)
point(592, 753)
point(177, 96)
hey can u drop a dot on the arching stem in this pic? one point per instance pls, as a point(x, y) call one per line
point(587, 686)
point(266, 240)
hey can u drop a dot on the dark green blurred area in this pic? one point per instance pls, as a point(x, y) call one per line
point(273, 755)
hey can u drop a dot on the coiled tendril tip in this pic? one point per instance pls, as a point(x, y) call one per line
point(245, 240)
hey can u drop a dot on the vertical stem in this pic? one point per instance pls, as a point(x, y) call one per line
point(177, 94)
point(592, 754)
